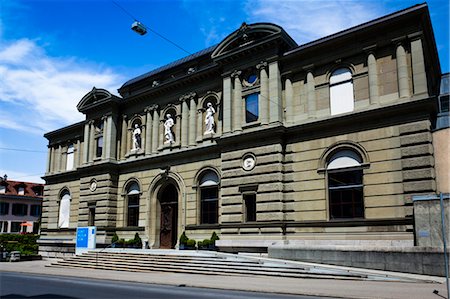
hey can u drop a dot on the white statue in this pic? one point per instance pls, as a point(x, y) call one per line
point(209, 119)
point(168, 124)
point(136, 137)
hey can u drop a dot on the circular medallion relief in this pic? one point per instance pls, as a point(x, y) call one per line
point(93, 185)
point(248, 162)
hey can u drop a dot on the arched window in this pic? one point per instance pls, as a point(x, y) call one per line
point(64, 209)
point(209, 197)
point(341, 91)
point(345, 185)
point(133, 193)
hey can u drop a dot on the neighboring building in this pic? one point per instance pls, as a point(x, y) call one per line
point(20, 206)
point(258, 139)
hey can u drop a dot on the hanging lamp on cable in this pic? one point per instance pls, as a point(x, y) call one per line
point(138, 27)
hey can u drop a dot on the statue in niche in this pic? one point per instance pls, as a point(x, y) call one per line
point(209, 119)
point(136, 137)
point(168, 134)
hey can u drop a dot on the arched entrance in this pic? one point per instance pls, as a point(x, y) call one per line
point(168, 200)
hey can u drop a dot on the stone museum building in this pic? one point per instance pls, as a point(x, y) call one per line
point(260, 140)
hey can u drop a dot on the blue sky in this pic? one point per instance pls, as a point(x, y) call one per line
point(53, 52)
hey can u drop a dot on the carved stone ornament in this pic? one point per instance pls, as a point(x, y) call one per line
point(155, 83)
point(261, 65)
point(236, 73)
point(93, 185)
point(188, 96)
point(248, 162)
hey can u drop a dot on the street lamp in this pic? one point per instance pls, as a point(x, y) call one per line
point(139, 28)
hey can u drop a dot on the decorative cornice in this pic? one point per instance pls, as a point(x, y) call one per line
point(188, 96)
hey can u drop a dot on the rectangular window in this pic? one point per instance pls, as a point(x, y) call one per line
point(346, 194)
point(4, 208)
point(133, 210)
point(99, 150)
point(209, 208)
point(250, 207)
point(69, 160)
point(19, 209)
point(35, 210)
point(91, 216)
point(3, 226)
point(15, 227)
point(21, 191)
point(251, 108)
point(36, 228)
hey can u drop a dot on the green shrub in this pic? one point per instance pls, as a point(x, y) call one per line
point(137, 240)
point(214, 238)
point(206, 242)
point(115, 238)
point(26, 243)
point(121, 241)
point(190, 243)
point(183, 238)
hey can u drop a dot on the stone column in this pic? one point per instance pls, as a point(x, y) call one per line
point(123, 138)
point(58, 159)
point(402, 73)
point(148, 131)
point(227, 96)
point(64, 158)
point(77, 157)
point(418, 67)
point(52, 159)
point(177, 129)
point(373, 78)
point(49, 160)
point(112, 137)
point(86, 143)
point(275, 114)
point(237, 101)
point(289, 92)
point(155, 128)
point(199, 123)
point(106, 132)
point(184, 121)
point(91, 141)
point(311, 91)
point(264, 93)
point(192, 121)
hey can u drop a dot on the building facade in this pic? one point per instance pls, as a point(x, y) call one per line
point(258, 139)
point(20, 206)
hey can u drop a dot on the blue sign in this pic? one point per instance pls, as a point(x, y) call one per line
point(82, 237)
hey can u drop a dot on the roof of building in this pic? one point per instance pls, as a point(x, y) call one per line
point(30, 189)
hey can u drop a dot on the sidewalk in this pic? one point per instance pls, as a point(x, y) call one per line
point(314, 287)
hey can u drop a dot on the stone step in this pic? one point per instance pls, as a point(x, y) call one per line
point(138, 268)
point(191, 265)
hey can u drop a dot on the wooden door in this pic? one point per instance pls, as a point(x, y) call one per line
point(166, 226)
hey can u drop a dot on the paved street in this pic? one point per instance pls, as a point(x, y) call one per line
point(270, 285)
point(20, 285)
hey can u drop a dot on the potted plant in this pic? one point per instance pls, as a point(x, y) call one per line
point(183, 241)
point(190, 244)
point(114, 240)
point(214, 238)
point(137, 241)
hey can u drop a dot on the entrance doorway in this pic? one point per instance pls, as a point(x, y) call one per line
point(168, 200)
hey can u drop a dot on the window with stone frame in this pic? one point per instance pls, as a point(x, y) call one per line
point(133, 198)
point(345, 185)
point(98, 138)
point(209, 198)
point(251, 94)
point(64, 209)
point(341, 91)
point(70, 157)
point(249, 207)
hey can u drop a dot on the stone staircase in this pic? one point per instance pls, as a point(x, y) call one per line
point(195, 262)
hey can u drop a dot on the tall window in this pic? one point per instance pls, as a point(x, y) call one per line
point(70, 152)
point(251, 108)
point(209, 198)
point(35, 210)
point(91, 215)
point(19, 209)
point(250, 207)
point(341, 91)
point(133, 192)
point(64, 210)
point(4, 208)
point(99, 139)
point(345, 185)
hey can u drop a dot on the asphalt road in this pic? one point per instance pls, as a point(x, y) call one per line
point(32, 286)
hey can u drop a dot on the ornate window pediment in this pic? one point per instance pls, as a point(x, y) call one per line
point(249, 34)
point(95, 98)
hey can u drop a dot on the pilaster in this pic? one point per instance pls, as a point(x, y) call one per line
point(402, 72)
point(373, 78)
point(289, 92)
point(237, 102)
point(192, 121)
point(275, 113)
point(227, 101)
point(418, 67)
point(155, 128)
point(264, 92)
point(148, 131)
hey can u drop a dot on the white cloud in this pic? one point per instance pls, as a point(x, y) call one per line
point(308, 20)
point(22, 177)
point(39, 93)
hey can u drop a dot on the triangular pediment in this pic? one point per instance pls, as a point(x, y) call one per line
point(251, 34)
point(95, 98)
